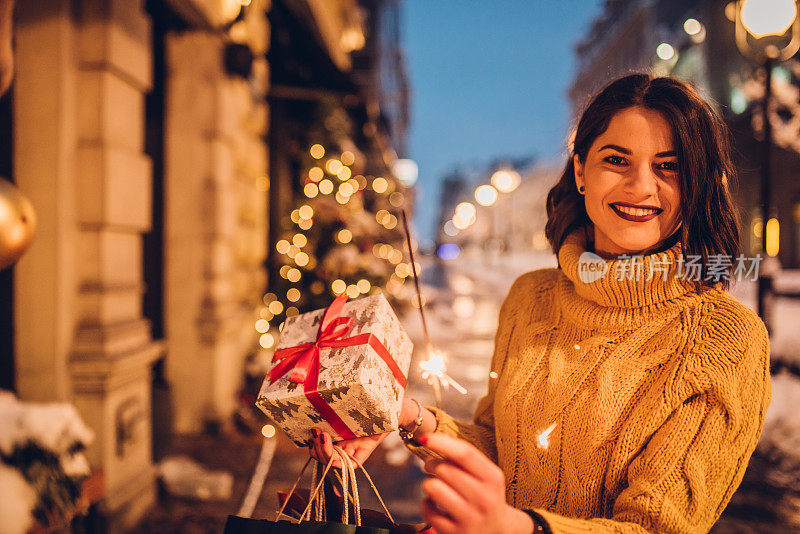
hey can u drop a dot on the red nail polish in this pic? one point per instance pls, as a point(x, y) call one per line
point(422, 440)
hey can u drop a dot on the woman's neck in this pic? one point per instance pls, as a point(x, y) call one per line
point(606, 255)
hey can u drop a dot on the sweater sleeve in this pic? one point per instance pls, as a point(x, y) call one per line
point(687, 472)
point(480, 432)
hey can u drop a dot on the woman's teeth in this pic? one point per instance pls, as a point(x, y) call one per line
point(636, 212)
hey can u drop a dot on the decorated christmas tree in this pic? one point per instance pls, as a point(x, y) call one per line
point(343, 234)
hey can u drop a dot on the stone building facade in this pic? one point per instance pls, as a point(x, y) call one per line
point(141, 135)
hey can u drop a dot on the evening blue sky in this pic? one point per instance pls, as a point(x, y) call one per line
point(489, 80)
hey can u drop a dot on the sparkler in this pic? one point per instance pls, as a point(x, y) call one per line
point(543, 439)
point(434, 369)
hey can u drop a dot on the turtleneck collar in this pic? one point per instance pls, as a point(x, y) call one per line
point(623, 282)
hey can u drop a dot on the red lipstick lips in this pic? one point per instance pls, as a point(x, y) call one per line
point(635, 218)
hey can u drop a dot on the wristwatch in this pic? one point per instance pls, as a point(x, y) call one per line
point(408, 435)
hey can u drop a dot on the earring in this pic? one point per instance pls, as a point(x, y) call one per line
point(581, 189)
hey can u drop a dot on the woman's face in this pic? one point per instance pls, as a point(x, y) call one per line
point(632, 185)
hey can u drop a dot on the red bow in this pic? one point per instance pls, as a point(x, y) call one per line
point(304, 361)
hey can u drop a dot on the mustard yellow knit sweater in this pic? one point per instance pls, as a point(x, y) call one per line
point(658, 394)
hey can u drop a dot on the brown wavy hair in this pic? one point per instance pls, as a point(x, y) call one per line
point(710, 222)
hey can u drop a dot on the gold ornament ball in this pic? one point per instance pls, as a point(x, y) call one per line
point(17, 223)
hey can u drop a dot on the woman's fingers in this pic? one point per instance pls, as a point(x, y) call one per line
point(438, 520)
point(470, 488)
point(465, 456)
point(447, 499)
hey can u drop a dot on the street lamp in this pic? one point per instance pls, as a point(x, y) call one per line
point(761, 28)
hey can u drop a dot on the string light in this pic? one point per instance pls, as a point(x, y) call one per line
point(326, 187)
point(401, 270)
point(293, 251)
point(301, 259)
point(317, 287)
point(275, 307)
point(262, 326)
point(311, 190)
point(293, 295)
point(396, 199)
point(266, 340)
point(341, 199)
point(354, 184)
point(352, 291)
point(344, 174)
point(282, 246)
point(344, 236)
point(363, 285)
point(293, 275)
point(305, 224)
point(291, 311)
point(305, 211)
point(348, 158)
point(269, 297)
point(317, 151)
point(338, 286)
point(381, 216)
point(295, 216)
point(380, 185)
point(315, 174)
point(299, 240)
point(268, 431)
point(284, 271)
point(346, 189)
point(395, 256)
point(333, 166)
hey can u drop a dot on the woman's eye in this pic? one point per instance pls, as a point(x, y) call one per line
point(671, 166)
point(615, 160)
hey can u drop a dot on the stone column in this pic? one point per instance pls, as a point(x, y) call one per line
point(79, 104)
point(215, 222)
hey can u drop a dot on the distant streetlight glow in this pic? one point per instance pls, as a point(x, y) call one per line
point(768, 17)
point(406, 171)
point(465, 210)
point(773, 237)
point(486, 195)
point(692, 26)
point(665, 51)
point(450, 229)
point(506, 180)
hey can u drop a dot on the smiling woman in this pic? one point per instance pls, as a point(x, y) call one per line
point(652, 144)
point(625, 394)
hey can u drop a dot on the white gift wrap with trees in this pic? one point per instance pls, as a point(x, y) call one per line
point(358, 384)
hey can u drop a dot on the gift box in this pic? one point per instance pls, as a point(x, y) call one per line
point(342, 369)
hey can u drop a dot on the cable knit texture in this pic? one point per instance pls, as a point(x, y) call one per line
point(658, 393)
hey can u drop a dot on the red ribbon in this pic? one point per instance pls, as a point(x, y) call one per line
point(304, 361)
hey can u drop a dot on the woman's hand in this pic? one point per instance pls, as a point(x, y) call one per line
point(467, 493)
point(321, 446)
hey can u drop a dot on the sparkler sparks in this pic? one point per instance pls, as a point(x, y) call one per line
point(543, 439)
point(434, 370)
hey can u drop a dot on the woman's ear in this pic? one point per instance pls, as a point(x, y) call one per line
point(578, 166)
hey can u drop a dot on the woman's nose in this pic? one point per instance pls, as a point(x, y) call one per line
point(642, 180)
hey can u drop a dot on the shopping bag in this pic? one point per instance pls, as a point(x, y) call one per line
point(318, 509)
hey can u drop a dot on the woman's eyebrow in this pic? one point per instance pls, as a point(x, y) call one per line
point(665, 154)
point(617, 148)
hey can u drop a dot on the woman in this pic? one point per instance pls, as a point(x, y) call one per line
point(628, 388)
